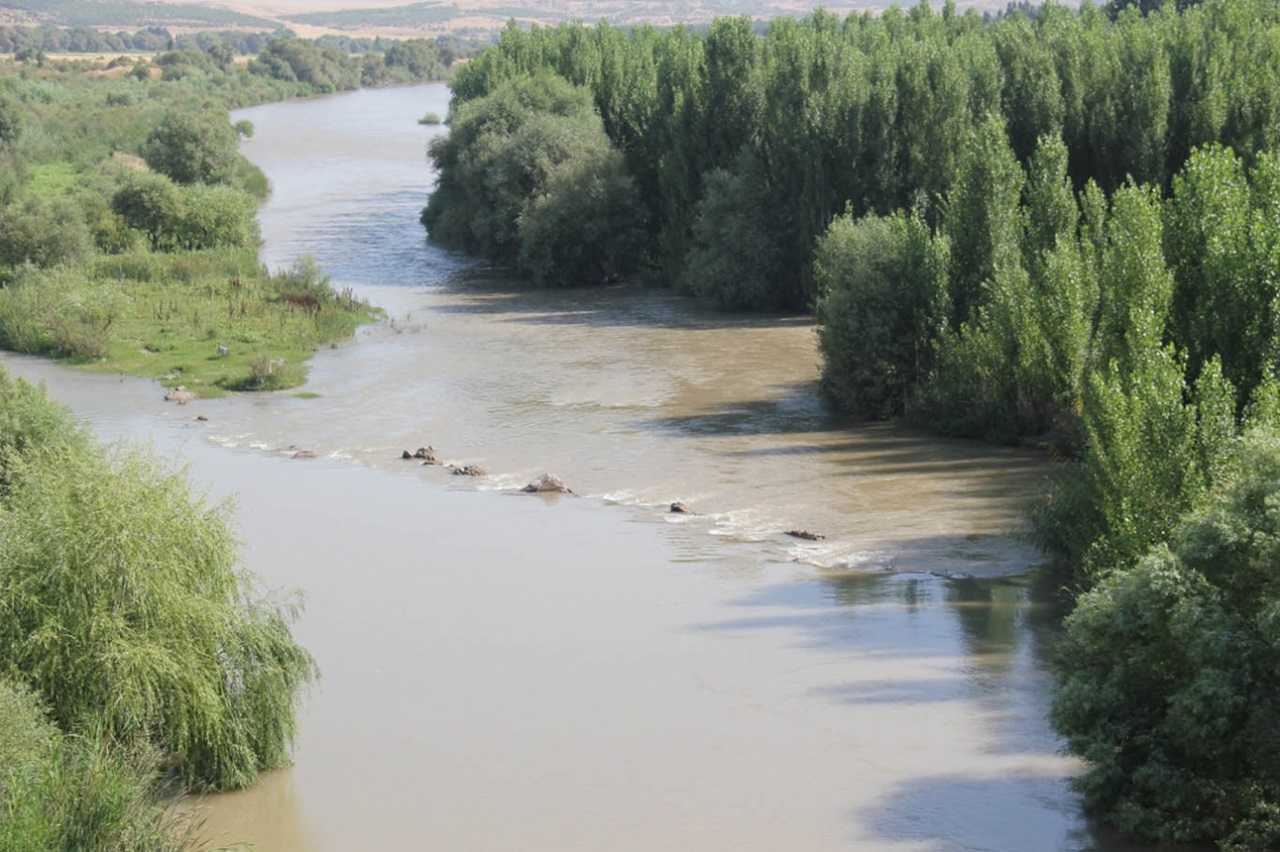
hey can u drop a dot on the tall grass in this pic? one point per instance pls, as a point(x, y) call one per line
point(88, 794)
point(77, 792)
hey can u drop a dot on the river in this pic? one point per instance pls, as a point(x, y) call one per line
point(513, 672)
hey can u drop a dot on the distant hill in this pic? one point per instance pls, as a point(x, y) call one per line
point(118, 14)
point(474, 19)
point(436, 16)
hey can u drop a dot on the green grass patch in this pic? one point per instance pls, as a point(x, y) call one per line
point(54, 179)
point(212, 321)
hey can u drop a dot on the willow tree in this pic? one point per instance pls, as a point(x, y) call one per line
point(124, 607)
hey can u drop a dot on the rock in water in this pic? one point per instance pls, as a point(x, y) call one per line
point(805, 534)
point(681, 509)
point(468, 470)
point(548, 482)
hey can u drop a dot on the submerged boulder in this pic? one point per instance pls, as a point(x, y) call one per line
point(681, 509)
point(179, 395)
point(806, 534)
point(468, 470)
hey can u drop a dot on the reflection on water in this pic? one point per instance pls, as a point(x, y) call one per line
point(505, 672)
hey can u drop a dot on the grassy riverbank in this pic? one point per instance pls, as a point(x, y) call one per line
point(128, 232)
point(210, 321)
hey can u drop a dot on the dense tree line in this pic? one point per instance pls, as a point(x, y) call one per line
point(321, 65)
point(1059, 227)
point(871, 113)
point(50, 39)
point(31, 42)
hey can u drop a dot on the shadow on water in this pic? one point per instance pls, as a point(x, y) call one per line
point(999, 632)
point(986, 645)
point(797, 410)
point(961, 813)
point(493, 290)
point(871, 446)
point(898, 615)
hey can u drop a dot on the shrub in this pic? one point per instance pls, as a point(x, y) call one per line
point(735, 259)
point(125, 607)
point(29, 419)
point(193, 148)
point(583, 230)
point(883, 284)
point(1171, 672)
point(44, 233)
point(59, 312)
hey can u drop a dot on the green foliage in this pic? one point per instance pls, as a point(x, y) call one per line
point(28, 419)
point(982, 218)
point(11, 122)
point(735, 260)
point(26, 734)
point(981, 385)
point(164, 315)
point(82, 793)
point(189, 218)
point(44, 233)
point(320, 70)
point(1223, 243)
point(128, 625)
point(883, 303)
point(1171, 687)
point(877, 112)
point(59, 313)
point(583, 229)
point(193, 148)
point(151, 204)
point(528, 178)
point(216, 217)
point(124, 606)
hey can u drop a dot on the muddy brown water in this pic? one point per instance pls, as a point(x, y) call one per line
point(514, 672)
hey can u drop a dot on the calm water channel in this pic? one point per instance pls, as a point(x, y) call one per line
point(507, 672)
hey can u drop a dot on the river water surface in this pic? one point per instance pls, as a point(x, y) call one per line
point(509, 672)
